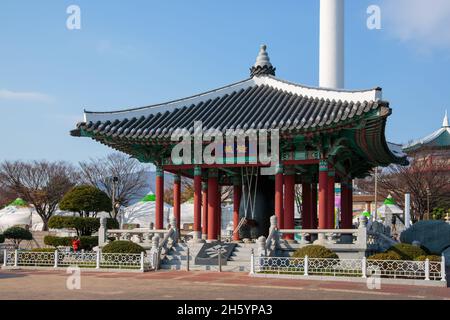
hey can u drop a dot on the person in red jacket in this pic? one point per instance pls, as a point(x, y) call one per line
point(76, 244)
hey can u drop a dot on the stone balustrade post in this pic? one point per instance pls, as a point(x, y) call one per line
point(142, 262)
point(173, 226)
point(252, 263)
point(102, 237)
point(443, 275)
point(5, 257)
point(273, 228)
point(154, 252)
point(261, 244)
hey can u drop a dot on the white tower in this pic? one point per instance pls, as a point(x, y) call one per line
point(331, 69)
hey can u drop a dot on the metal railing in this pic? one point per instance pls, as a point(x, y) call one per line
point(94, 260)
point(417, 270)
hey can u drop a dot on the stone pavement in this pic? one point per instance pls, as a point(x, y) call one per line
point(182, 285)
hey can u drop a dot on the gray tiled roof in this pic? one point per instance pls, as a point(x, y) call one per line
point(262, 102)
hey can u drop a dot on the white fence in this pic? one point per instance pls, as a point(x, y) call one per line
point(94, 260)
point(414, 270)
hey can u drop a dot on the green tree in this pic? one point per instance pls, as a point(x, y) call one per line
point(86, 200)
point(17, 234)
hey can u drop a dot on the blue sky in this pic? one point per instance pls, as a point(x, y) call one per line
point(137, 53)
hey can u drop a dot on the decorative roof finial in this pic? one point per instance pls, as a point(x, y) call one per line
point(445, 122)
point(262, 65)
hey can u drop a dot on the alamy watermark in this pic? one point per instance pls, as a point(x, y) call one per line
point(237, 146)
point(73, 281)
point(73, 21)
point(374, 19)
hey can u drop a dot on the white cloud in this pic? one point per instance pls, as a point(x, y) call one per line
point(24, 96)
point(425, 23)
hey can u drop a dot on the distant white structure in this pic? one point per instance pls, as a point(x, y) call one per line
point(331, 69)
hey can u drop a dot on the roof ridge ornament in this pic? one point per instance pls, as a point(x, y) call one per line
point(445, 122)
point(262, 65)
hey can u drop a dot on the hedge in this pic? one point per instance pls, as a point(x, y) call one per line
point(121, 246)
point(385, 256)
point(84, 226)
point(2, 238)
point(86, 242)
point(407, 251)
point(429, 257)
point(314, 251)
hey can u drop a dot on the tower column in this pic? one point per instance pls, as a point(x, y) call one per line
point(177, 202)
point(323, 188)
point(331, 198)
point(237, 192)
point(159, 198)
point(205, 211)
point(279, 196)
point(306, 206)
point(197, 203)
point(212, 204)
point(289, 202)
point(219, 212)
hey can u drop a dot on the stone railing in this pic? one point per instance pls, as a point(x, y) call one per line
point(143, 236)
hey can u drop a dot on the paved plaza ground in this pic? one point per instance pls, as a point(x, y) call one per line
point(23, 284)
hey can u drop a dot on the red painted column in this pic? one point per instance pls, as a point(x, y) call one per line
point(330, 199)
point(197, 203)
point(205, 210)
point(177, 201)
point(306, 206)
point(289, 204)
point(350, 203)
point(323, 188)
point(314, 221)
point(219, 212)
point(346, 206)
point(279, 197)
point(212, 205)
point(237, 192)
point(159, 199)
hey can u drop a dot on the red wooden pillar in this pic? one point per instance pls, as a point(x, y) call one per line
point(289, 204)
point(159, 199)
point(219, 212)
point(197, 203)
point(306, 206)
point(314, 222)
point(346, 205)
point(330, 199)
point(323, 188)
point(350, 203)
point(205, 210)
point(237, 191)
point(279, 196)
point(177, 201)
point(212, 205)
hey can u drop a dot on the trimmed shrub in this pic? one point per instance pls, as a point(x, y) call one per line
point(86, 200)
point(121, 246)
point(86, 242)
point(17, 234)
point(385, 256)
point(314, 251)
point(2, 238)
point(429, 257)
point(407, 251)
point(83, 226)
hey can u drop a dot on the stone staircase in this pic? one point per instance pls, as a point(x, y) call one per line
point(239, 260)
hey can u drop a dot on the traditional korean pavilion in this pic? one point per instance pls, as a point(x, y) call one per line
point(436, 144)
point(327, 136)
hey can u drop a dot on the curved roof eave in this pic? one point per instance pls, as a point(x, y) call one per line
point(320, 93)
